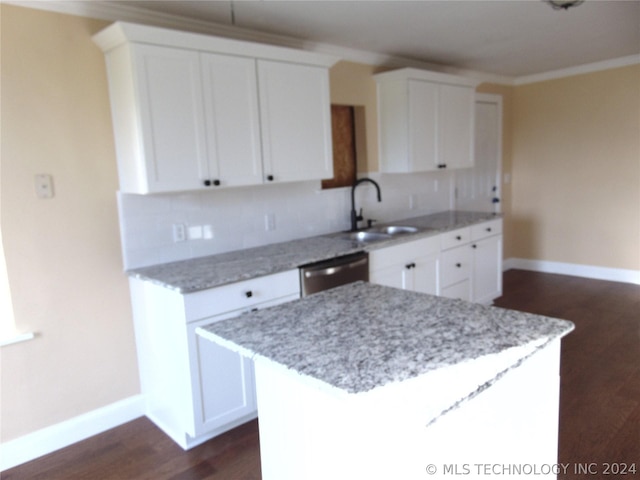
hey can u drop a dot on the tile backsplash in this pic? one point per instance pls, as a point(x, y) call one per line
point(219, 221)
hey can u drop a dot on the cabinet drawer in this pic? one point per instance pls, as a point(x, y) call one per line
point(455, 265)
point(461, 291)
point(486, 229)
point(246, 294)
point(405, 252)
point(455, 238)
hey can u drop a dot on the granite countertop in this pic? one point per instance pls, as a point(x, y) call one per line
point(201, 273)
point(362, 336)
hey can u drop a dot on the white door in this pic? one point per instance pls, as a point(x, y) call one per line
point(455, 126)
point(233, 123)
point(397, 276)
point(487, 269)
point(223, 382)
point(478, 188)
point(170, 97)
point(295, 110)
point(425, 275)
point(423, 112)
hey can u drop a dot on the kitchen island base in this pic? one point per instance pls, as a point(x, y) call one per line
point(507, 422)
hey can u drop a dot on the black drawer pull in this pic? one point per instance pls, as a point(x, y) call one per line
point(488, 229)
point(458, 265)
point(458, 237)
point(248, 294)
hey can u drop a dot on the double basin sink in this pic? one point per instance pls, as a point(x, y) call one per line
point(377, 234)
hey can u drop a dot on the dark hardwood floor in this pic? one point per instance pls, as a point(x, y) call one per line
point(599, 405)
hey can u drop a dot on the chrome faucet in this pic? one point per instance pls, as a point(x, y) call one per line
point(356, 217)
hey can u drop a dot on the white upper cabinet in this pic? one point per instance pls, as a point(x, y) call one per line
point(456, 114)
point(296, 121)
point(233, 123)
point(426, 121)
point(192, 111)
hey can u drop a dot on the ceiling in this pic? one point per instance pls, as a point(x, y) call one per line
point(510, 41)
point(511, 38)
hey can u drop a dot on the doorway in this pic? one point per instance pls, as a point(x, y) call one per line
point(479, 188)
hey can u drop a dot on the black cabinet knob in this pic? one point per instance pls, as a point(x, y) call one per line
point(216, 182)
point(270, 178)
point(248, 294)
point(488, 229)
point(458, 237)
point(458, 265)
point(474, 246)
point(207, 183)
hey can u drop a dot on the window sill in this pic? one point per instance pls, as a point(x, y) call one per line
point(17, 338)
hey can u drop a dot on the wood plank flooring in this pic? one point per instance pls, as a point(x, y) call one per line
point(599, 405)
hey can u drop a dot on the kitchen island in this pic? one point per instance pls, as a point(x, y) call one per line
point(367, 381)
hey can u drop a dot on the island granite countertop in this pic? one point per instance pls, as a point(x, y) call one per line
point(211, 271)
point(360, 337)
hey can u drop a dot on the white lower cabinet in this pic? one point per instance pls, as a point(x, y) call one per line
point(456, 264)
point(471, 262)
point(486, 246)
point(195, 389)
point(410, 266)
point(465, 263)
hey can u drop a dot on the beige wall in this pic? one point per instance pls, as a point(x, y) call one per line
point(572, 147)
point(576, 170)
point(63, 254)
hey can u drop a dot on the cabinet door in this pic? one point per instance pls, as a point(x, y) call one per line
point(169, 94)
point(423, 110)
point(398, 276)
point(425, 274)
point(223, 383)
point(296, 121)
point(233, 124)
point(487, 269)
point(455, 126)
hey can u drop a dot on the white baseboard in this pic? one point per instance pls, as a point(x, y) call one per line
point(49, 439)
point(587, 271)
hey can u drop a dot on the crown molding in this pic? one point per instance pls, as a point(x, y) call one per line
point(578, 70)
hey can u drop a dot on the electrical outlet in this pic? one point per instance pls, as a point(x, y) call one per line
point(179, 232)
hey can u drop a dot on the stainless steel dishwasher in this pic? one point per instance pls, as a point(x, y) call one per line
point(327, 274)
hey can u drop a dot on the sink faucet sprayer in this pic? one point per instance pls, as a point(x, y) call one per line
point(355, 217)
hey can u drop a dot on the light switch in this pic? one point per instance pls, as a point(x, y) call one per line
point(44, 186)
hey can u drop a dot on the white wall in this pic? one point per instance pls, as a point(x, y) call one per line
point(236, 216)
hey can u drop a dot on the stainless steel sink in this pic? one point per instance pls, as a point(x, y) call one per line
point(396, 230)
point(364, 237)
